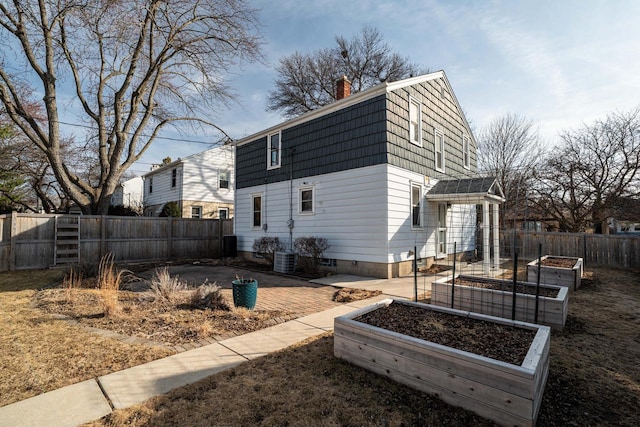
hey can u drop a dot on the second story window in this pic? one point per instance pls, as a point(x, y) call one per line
point(466, 152)
point(274, 149)
point(174, 177)
point(415, 122)
point(223, 179)
point(150, 185)
point(439, 150)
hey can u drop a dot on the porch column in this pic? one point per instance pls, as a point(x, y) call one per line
point(496, 238)
point(486, 253)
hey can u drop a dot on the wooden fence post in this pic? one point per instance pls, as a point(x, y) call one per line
point(12, 236)
point(103, 235)
point(220, 239)
point(169, 237)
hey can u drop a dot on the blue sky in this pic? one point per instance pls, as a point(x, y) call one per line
point(559, 63)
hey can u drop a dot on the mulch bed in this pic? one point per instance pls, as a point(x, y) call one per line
point(155, 321)
point(558, 262)
point(500, 342)
point(521, 288)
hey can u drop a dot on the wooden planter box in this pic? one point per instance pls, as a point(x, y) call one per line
point(505, 393)
point(551, 311)
point(569, 277)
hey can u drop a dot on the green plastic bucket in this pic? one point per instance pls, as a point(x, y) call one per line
point(245, 293)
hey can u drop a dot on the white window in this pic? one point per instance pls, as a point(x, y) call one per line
point(466, 152)
point(415, 122)
point(223, 179)
point(196, 211)
point(306, 200)
point(441, 237)
point(174, 177)
point(274, 149)
point(223, 213)
point(439, 150)
point(150, 185)
point(416, 205)
point(256, 210)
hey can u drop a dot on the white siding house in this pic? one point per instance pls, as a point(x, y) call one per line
point(202, 185)
point(381, 174)
point(129, 194)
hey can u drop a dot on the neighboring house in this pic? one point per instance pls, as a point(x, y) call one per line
point(625, 216)
point(201, 184)
point(129, 194)
point(377, 174)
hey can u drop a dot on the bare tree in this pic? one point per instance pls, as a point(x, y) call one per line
point(134, 67)
point(510, 149)
point(590, 173)
point(559, 193)
point(308, 81)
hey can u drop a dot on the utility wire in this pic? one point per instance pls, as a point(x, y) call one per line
point(144, 135)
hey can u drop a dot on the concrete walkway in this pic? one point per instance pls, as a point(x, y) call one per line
point(92, 399)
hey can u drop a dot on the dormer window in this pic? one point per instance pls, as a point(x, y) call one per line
point(274, 150)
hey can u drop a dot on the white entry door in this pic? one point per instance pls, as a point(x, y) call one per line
point(441, 235)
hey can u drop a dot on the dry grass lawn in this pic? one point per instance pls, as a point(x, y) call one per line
point(594, 379)
point(41, 353)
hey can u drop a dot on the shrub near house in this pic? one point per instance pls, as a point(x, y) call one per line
point(310, 251)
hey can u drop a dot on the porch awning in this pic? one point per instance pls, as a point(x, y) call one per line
point(467, 191)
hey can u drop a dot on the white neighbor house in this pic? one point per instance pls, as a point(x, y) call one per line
point(376, 173)
point(129, 194)
point(202, 184)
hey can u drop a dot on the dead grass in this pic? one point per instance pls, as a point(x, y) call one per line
point(109, 281)
point(41, 353)
point(594, 379)
point(166, 289)
point(351, 294)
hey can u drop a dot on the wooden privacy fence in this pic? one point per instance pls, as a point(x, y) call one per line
point(596, 249)
point(28, 241)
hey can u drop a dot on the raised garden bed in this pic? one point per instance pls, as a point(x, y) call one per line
point(452, 354)
point(557, 270)
point(494, 297)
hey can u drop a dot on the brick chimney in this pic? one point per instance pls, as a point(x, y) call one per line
point(343, 88)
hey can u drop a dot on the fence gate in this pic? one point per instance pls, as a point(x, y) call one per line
point(67, 238)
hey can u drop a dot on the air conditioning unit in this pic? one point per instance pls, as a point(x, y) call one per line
point(284, 262)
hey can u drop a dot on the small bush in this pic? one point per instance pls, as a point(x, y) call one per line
point(109, 280)
point(208, 296)
point(164, 288)
point(121, 210)
point(310, 252)
point(267, 247)
point(171, 209)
